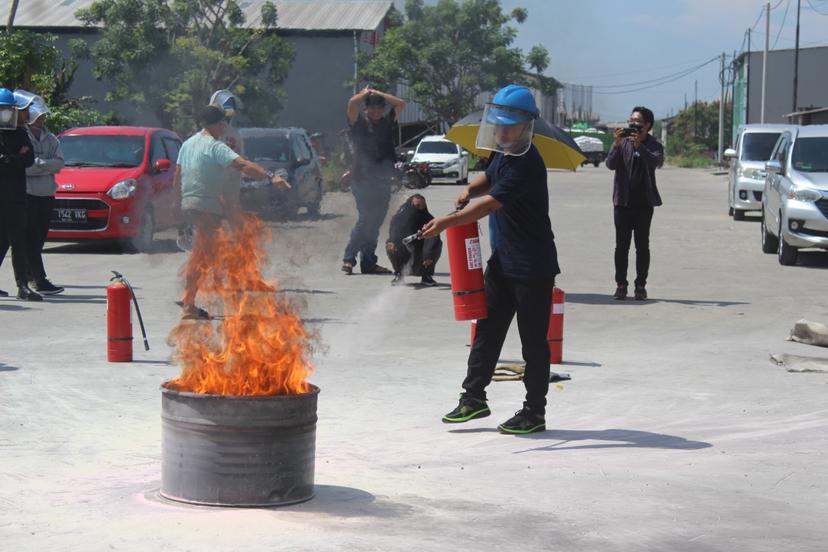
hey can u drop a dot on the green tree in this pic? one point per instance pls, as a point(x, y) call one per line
point(449, 53)
point(695, 130)
point(168, 56)
point(32, 61)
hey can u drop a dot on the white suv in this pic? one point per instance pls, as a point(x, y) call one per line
point(746, 178)
point(447, 162)
point(795, 202)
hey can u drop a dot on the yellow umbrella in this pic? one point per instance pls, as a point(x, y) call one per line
point(558, 149)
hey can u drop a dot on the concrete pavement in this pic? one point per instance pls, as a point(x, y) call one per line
point(675, 433)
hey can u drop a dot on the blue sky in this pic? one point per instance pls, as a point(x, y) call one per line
point(612, 42)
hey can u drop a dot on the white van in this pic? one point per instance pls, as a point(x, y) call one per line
point(746, 178)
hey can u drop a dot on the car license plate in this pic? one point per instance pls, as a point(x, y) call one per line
point(70, 215)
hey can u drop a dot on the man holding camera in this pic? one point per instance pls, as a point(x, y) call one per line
point(634, 157)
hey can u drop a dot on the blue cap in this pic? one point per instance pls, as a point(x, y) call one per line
point(7, 97)
point(516, 103)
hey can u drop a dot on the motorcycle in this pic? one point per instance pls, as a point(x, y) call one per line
point(416, 176)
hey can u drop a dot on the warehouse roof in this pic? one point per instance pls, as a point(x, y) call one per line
point(294, 15)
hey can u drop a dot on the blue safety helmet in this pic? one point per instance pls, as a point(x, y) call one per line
point(7, 98)
point(511, 105)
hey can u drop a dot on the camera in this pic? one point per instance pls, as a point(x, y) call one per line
point(630, 130)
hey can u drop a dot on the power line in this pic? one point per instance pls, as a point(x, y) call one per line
point(682, 72)
point(815, 8)
point(663, 82)
point(627, 72)
point(782, 26)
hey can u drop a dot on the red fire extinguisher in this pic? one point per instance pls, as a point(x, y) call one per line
point(466, 267)
point(119, 319)
point(556, 320)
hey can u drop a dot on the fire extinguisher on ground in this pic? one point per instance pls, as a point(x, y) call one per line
point(119, 319)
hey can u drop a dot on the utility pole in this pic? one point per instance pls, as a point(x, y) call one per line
point(721, 110)
point(747, 84)
point(685, 101)
point(695, 108)
point(796, 59)
point(765, 63)
point(12, 13)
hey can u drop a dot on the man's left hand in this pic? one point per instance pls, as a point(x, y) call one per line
point(638, 137)
point(434, 227)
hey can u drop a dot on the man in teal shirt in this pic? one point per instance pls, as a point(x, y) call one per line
point(199, 175)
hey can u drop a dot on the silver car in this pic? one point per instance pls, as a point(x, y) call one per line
point(795, 200)
point(746, 178)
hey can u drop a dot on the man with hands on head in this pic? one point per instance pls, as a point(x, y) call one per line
point(634, 156)
point(372, 134)
point(521, 271)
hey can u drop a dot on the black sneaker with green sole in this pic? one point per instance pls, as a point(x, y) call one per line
point(469, 408)
point(524, 421)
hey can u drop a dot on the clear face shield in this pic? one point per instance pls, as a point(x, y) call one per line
point(505, 130)
point(8, 117)
point(227, 101)
point(37, 106)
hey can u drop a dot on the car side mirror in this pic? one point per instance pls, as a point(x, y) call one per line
point(302, 161)
point(730, 153)
point(162, 165)
point(773, 166)
point(464, 154)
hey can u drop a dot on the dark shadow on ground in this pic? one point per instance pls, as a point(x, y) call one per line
point(4, 307)
point(607, 299)
point(72, 298)
point(613, 438)
point(325, 321)
point(348, 502)
point(89, 287)
point(812, 259)
point(579, 363)
point(161, 362)
point(7, 368)
point(310, 291)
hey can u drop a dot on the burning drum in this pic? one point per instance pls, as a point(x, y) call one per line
point(237, 450)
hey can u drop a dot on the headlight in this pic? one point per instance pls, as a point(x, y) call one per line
point(123, 189)
point(804, 194)
point(754, 174)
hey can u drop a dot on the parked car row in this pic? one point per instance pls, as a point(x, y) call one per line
point(117, 182)
point(782, 171)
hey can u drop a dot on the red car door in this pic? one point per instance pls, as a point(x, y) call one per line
point(162, 171)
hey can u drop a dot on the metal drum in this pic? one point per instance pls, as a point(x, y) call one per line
point(237, 451)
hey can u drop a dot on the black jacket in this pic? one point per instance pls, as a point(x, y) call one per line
point(620, 159)
point(408, 220)
point(13, 164)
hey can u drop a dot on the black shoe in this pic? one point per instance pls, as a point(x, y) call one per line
point(640, 293)
point(4, 293)
point(427, 281)
point(620, 292)
point(347, 268)
point(524, 421)
point(469, 408)
point(47, 288)
point(398, 279)
point(25, 294)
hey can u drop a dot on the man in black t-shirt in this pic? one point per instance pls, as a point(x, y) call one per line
point(634, 158)
point(372, 135)
point(521, 271)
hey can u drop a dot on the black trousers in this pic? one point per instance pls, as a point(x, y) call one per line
point(531, 300)
point(38, 215)
point(372, 196)
point(402, 256)
point(632, 222)
point(13, 232)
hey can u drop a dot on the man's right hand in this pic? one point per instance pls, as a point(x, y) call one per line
point(618, 136)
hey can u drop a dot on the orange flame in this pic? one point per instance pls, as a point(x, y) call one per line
point(260, 347)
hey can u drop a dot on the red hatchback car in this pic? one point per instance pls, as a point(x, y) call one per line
point(116, 184)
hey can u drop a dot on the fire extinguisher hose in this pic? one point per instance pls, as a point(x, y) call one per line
point(119, 276)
